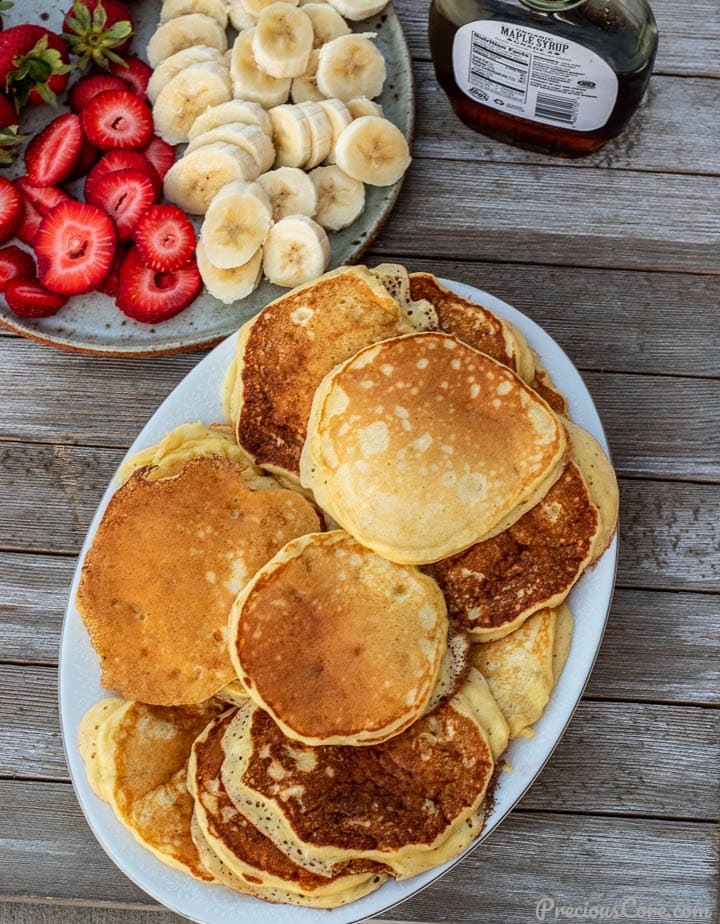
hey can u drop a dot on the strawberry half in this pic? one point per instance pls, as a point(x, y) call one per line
point(160, 154)
point(111, 283)
point(51, 156)
point(121, 160)
point(10, 210)
point(75, 245)
point(117, 119)
point(15, 264)
point(42, 198)
point(165, 238)
point(87, 157)
point(134, 71)
point(30, 220)
point(151, 297)
point(29, 299)
point(125, 195)
point(88, 87)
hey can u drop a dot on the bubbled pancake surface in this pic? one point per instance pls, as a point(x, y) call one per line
point(496, 584)
point(420, 445)
point(284, 353)
point(165, 565)
point(371, 635)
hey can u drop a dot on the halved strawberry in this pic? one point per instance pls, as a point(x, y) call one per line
point(42, 198)
point(121, 160)
point(10, 209)
point(29, 299)
point(88, 87)
point(111, 283)
point(160, 154)
point(165, 238)
point(151, 297)
point(15, 263)
point(75, 245)
point(51, 156)
point(117, 119)
point(125, 196)
point(29, 223)
point(88, 155)
point(135, 71)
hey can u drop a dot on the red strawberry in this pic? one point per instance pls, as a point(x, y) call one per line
point(87, 157)
point(151, 297)
point(42, 198)
point(165, 238)
point(75, 245)
point(29, 299)
point(10, 210)
point(29, 223)
point(160, 154)
point(51, 156)
point(125, 195)
point(8, 116)
point(117, 119)
point(89, 86)
point(121, 160)
point(111, 283)
point(34, 64)
point(15, 264)
point(97, 30)
point(134, 71)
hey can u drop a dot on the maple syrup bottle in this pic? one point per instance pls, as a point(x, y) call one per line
point(560, 77)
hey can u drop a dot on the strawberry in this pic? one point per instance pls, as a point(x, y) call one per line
point(165, 238)
point(29, 299)
point(42, 198)
point(89, 86)
point(97, 30)
point(121, 160)
point(134, 71)
point(10, 210)
point(160, 154)
point(125, 195)
point(15, 264)
point(117, 119)
point(34, 64)
point(74, 246)
point(111, 283)
point(151, 297)
point(29, 223)
point(87, 157)
point(51, 156)
point(8, 115)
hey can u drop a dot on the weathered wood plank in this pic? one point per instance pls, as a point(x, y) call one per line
point(41, 912)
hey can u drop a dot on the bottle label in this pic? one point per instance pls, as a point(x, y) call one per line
point(534, 74)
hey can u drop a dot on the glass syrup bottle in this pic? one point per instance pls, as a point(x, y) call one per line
point(560, 77)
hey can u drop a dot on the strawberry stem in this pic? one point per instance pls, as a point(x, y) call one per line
point(90, 40)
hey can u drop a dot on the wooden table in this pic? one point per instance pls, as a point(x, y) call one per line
point(618, 257)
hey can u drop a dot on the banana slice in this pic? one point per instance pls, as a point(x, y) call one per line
point(249, 82)
point(340, 198)
point(327, 23)
point(171, 9)
point(373, 150)
point(358, 9)
point(193, 181)
point(283, 40)
point(236, 224)
point(171, 67)
point(240, 18)
point(339, 117)
point(321, 133)
point(296, 251)
point(185, 32)
point(351, 66)
point(362, 106)
point(305, 88)
point(250, 138)
point(229, 285)
point(290, 191)
point(186, 96)
point(235, 110)
point(291, 136)
point(255, 7)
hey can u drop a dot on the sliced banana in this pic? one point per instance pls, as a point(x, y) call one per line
point(339, 117)
point(185, 32)
point(305, 88)
point(236, 224)
point(239, 17)
point(290, 191)
point(291, 136)
point(351, 66)
point(283, 40)
point(340, 198)
point(255, 7)
point(362, 106)
point(327, 23)
point(193, 181)
point(321, 133)
point(250, 138)
point(171, 67)
point(249, 82)
point(296, 251)
point(187, 95)
point(235, 110)
point(373, 150)
point(229, 285)
point(358, 9)
point(171, 9)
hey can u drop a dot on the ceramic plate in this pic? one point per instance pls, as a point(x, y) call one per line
point(92, 324)
point(197, 398)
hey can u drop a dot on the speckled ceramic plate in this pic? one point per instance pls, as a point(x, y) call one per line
point(92, 324)
point(197, 397)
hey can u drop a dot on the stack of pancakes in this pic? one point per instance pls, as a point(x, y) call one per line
point(326, 619)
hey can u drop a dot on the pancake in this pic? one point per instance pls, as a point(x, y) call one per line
point(233, 693)
point(454, 667)
point(400, 803)
point(371, 638)
point(495, 585)
point(92, 725)
point(420, 446)
point(489, 713)
point(563, 637)
point(284, 352)
point(166, 563)
point(545, 387)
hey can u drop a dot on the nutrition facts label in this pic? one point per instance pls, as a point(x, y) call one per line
point(534, 74)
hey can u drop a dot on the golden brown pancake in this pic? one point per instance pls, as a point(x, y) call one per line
point(495, 585)
point(421, 446)
point(166, 563)
point(367, 640)
point(544, 386)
